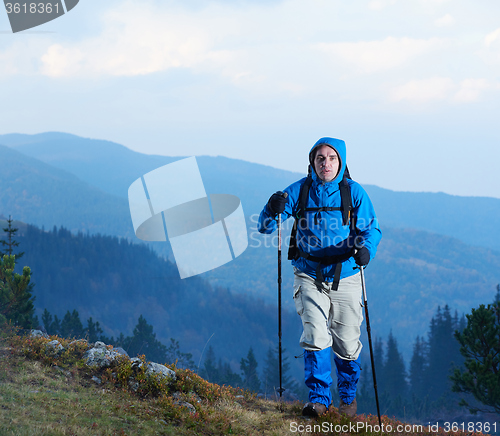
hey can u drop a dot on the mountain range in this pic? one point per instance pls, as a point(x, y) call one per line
point(436, 249)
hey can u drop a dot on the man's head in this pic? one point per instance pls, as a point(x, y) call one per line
point(328, 159)
point(326, 162)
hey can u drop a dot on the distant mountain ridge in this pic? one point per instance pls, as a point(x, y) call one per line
point(112, 168)
point(37, 193)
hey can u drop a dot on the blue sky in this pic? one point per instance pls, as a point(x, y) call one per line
point(412, 86)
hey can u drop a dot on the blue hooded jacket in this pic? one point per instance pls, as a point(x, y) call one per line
point(324, 234)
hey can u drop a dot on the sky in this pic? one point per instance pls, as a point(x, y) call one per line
point(412, 86)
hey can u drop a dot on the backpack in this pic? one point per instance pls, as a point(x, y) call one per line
point(346, 207)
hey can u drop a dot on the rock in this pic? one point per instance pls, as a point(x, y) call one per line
point(189, 406)
point(178, 400)
point(100, 356)
point(136, 363)
point(53, 347)
point(121, 351)
point(97, 380)
point(133, 384)
point(38, 334)
point(162, 370)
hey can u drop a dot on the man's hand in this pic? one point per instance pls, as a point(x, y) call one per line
point(362, 256)
point(277, 203)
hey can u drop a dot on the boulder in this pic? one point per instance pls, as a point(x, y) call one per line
point(54, 347)
point(38, 333)
point(99, 356)
point(162, 370)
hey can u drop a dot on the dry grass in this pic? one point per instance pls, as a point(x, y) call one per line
point(41, 396)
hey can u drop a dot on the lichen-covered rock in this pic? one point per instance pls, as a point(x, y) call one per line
point(161, 370)
point(99, 356)
point(133, 384)
point(121, 351)
point(54, 347)
point(179, 400)
point(38, 334)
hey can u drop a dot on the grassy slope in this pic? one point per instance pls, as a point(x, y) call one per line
point(42, 395)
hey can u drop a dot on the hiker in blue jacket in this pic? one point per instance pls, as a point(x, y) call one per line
point(336, 233)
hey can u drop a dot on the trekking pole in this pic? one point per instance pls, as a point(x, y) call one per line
point(368, 330)
point(281, 389)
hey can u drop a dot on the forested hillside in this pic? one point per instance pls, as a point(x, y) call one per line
point(114, 282)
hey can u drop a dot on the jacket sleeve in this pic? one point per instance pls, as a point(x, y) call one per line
point(366, 219)
point(267, 221)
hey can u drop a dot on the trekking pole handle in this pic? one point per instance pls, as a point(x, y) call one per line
point(358, 244)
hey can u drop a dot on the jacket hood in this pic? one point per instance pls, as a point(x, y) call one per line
point(339, 146)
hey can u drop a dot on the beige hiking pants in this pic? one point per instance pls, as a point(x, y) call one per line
point(329, 318)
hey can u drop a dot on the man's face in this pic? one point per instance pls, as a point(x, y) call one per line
point(326, 163)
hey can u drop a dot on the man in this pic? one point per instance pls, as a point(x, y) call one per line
point(333, 240)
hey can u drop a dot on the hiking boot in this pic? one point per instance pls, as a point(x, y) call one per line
point(313, 409)
point(348, 409)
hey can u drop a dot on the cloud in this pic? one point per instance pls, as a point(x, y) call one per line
point(263, 49)
point(442, 89)
point(492, 38)
point(367, 57)
point(422, 91)
point(445, 21)
point(135, 41)
point(470, 90)
point(60, 61)
point(490, 51)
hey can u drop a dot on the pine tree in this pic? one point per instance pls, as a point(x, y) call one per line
point(210, 371)
point(418, 367)
point(442, 352)
point(71, 326)
point(47, 321)
point(227, 376)
point(394, 372)
point(271, 377)
point(174, 355)
point(144, 342)
point(93, 331)
point(480, 345)
point(55, 327)
point(248, 367)
point(378, 358)
point(10, 243)
point(16, 301)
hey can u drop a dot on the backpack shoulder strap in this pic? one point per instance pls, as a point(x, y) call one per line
point(299, 213)
point(303, 197)
point(345, 195)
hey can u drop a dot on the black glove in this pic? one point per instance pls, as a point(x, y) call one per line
point(362, 256)
point(276, 203)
